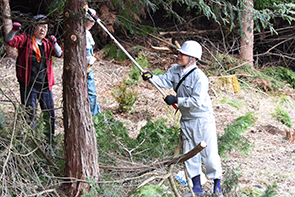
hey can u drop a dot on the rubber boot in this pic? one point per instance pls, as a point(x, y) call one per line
point(217, 188)
point(197, 187)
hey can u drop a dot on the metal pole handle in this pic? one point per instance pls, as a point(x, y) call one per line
point(126, 52)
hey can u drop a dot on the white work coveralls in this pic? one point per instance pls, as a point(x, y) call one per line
point(197, 121)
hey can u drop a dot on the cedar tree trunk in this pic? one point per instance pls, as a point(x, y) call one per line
point(80, 137)
point(246, 51)
point(10, 51)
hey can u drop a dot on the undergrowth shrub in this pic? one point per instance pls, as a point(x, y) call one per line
point(114, 52)
point(230, 180)
point(153, 191)
point(154, 140)
point(159, 139)
point(26, 167)
point(282, 116)
point(125, 95)
point(268, 192)
point(232, 139)
point(109, 133)
point(234, 103)
point(281, 74)
point(135, 75)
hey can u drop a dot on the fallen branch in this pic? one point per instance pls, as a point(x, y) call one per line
point(180, 159)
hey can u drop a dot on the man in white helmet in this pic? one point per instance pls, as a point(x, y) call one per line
point(197, 121)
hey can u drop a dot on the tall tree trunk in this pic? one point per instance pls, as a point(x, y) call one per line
point(80, 136)
point(10, 51)
point(246, 50)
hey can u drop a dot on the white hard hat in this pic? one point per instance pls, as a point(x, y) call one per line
point(191, 48)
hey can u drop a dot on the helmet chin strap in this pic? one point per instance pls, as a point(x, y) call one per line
point(190, 58)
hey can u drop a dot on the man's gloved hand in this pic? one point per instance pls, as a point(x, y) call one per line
point(53, 39)
point(16, 26)
point(146, 75)
point(170, 99)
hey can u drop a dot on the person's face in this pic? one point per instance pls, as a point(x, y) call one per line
point(41, 31)
point(183, 59)
point(89, 24)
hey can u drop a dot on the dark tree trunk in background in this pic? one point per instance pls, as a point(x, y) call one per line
point(246, 50)
point(6, 13)
point(80, 137)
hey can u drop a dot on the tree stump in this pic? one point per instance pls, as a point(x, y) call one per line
point(229, 83)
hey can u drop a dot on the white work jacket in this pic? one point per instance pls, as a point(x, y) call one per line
point(193, 98)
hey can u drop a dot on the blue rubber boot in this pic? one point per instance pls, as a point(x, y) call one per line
point(197, 187)
point(217, 187)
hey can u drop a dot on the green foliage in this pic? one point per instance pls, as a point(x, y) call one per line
point(57, 6)
point(154, 140)
point(232, 139)
point(286, 101)
point(158, 138)
point(135, 76)
point(125, 96)
point(269, 192)
point(111, 135)
point(114, 52)
point(158, 71)
point(152, 191)
point(282, 116)
point(263, 4)
point(132, 27)
point(231, 180)
point(281, 74)
point(233, 103)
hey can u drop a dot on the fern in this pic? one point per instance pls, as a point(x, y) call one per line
point(114, 52)
point(282, 116)
point(232, 139)
point(281, 74)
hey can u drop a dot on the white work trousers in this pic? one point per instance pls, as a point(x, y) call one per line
point(195, 131)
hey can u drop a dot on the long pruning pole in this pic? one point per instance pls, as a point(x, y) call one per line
point(126, 53)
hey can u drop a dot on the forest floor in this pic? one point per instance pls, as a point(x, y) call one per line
point(272, 158)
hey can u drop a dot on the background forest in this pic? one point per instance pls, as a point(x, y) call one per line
point(137, 133)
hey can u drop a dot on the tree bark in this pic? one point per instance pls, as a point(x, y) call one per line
point(246, 50)
point(10, 51)
point(80, 136)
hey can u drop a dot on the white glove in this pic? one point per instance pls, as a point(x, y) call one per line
point(90, 60)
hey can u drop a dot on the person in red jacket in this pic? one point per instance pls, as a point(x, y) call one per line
point(34, 70)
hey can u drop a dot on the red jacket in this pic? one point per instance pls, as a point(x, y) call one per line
point(24, 43)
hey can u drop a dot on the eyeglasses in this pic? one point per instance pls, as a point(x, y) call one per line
point(42, 26)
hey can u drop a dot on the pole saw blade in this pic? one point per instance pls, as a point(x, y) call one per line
point(126, 52)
